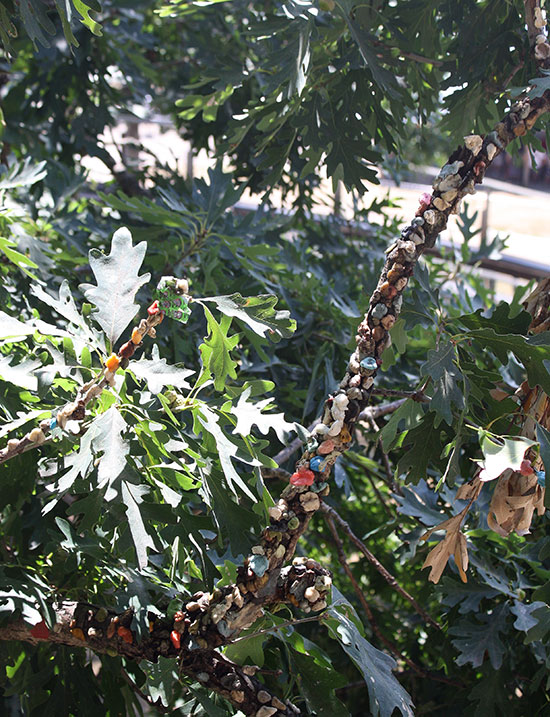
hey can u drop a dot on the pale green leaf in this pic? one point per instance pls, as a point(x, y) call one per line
point(250, 414)
point(118, 282)
point(159, 373)
point(501, 453)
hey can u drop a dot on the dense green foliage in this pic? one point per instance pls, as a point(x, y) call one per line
point(163, 492)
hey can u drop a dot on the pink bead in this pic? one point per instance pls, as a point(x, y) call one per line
point(526, 468)
point(326, 447)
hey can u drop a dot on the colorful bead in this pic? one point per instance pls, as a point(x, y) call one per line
point(345, 435)
point(379, 311)
point(526, 469)
point(40, 631)
point(479, 167)
point(315, 463)
point(474, 143)
point(136, 336)
point(326, 447)
point(369, 364)
point(541, 478)
point(77, 632)
point(112, 363)
point(303, 477)
point(258, 564)
point(425, 201)
point(175, 639)
point(125, 635)
point(153, 310)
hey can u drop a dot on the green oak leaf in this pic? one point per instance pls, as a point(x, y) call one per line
point(385, 692)
point(216, 350)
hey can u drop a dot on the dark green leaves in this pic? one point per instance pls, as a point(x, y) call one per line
point(216, 350)
point(366, 41)
point(442, 369)
point(117, 283)
point(534, 352)
point(475, 638)
point(424, 445)
point(132, 497)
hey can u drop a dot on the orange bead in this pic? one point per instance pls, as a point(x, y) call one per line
point(77, 632)
point(136, 337)
point(125, 634)
point(113, 362)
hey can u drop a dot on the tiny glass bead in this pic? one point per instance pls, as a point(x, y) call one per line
point(369, 363)
point(153, 309)
point(315, 463)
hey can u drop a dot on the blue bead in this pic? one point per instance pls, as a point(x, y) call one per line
point(53, 423)
point(315, 463)
point(369, 363)
point(541, 478)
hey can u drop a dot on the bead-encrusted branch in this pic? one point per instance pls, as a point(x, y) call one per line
point(466, 168)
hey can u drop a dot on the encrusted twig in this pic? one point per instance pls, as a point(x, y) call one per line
point(76, 410)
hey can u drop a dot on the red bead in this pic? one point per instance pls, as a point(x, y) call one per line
point(175, 639)
point(302, 477)
point(40, 631)
point(125, 634)
point(153, 309)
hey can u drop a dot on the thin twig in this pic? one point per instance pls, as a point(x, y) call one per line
point(392, 647)
point(394, 487)
point(362, 599)
point(274, 628)
point(415, 395)
point(388, 577)
point(378, 494)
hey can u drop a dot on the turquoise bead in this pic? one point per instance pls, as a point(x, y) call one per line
point(369, 363)
point(315, 463)
point(258, 564)
point(541, 478)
